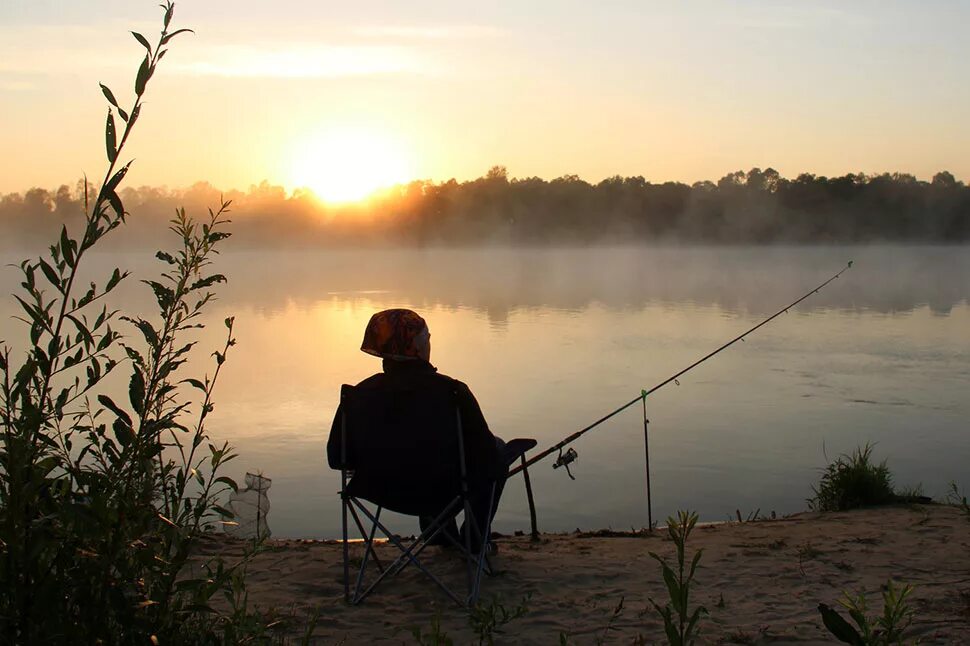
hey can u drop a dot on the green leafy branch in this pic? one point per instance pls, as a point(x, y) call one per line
point(881, 630)
point(680, 623)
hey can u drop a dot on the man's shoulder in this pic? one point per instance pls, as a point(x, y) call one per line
point(457, 384)
point(374, 380)
point(380, 379)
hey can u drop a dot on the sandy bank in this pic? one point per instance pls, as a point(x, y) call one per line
point(761, 581)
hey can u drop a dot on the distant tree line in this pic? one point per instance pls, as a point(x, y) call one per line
point(758, 206)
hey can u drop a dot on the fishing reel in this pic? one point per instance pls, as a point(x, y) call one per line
point(565, 459)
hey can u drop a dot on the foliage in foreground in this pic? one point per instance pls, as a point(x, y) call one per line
point(956, 497)
point(680, 623)
point(486, 619)
point(101, 501)
point(881, 630)
point(852, 481)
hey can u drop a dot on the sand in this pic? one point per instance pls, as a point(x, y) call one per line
point(761, 581)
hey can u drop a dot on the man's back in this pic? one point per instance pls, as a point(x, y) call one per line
point(402, 428)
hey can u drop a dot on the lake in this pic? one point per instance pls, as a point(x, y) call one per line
point(550, 340)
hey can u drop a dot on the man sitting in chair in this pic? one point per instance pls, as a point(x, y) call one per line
point(402, 339)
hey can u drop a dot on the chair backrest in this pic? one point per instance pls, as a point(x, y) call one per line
point(403, 443)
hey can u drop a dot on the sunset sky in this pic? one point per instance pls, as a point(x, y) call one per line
point(296, 91)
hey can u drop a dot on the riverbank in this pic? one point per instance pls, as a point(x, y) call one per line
point(761, 581)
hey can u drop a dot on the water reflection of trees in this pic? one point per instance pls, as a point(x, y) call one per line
point(499, 281)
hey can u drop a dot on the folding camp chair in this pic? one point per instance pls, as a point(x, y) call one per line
point(392, 457)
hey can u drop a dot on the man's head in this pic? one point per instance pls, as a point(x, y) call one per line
point(398, 334)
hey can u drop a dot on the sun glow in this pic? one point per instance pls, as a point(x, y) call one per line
point(347, 165)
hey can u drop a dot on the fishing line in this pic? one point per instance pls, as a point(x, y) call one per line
point(570, 455)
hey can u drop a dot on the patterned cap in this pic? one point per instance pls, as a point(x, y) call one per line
point(396, 334)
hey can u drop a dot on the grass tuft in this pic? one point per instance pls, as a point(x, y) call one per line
point(853, 481)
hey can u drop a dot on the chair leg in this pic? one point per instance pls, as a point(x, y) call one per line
point(408, 556)
point(368, 550)
point(344, 504)
point(470, 527)
point(363, 532)
point(485, 538)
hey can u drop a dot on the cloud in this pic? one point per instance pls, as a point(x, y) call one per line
point(441, 32)
point(304, 61)
point(799, 16)
point(10, 85)
point(33, 50)
point(53, 49)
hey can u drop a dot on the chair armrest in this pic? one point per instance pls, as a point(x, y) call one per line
point(514, 449)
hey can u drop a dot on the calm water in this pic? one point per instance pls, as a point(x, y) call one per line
point(551, 340)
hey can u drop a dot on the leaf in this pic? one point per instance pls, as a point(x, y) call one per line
point(165, 520)
point(208, 281)
point(673, 637)
point(229, 482)
point(51, 275)
point(839, 627)
point(108, 94)
point(116, 277)
point(163, 295)
point(694, 562)
point(673, 589)
point(82, 329)
point(175, 33)
point(134, 355)
point(110, 141)
point(123, 432)
point(692, 623)
point(115, 203)
point(87, 298)
point(108, 403)
point(67, 247)
point(144, 73)
point(136, 391)
point(116, 179)
point(144, 42)
point(149, 332)
point(195, 383)
point(34, 313)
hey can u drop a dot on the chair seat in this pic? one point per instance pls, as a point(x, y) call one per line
point(414, 497)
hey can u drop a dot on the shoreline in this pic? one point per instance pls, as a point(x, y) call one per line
point(760, 580)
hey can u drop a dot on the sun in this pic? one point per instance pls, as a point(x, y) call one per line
point(348, 165)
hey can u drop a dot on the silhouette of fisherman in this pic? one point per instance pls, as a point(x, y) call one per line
point(402, 339)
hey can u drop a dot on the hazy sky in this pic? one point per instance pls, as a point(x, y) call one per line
point(671, 91)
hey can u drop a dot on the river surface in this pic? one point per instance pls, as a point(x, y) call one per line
point(551, 340)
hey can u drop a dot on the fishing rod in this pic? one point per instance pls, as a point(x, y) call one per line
point(565, 459)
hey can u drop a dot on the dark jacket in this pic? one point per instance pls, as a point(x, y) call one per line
point(481, 453)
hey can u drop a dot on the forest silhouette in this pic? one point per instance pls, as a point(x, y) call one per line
point(757, 206)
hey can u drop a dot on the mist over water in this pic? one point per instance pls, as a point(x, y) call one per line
point(550, 340)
